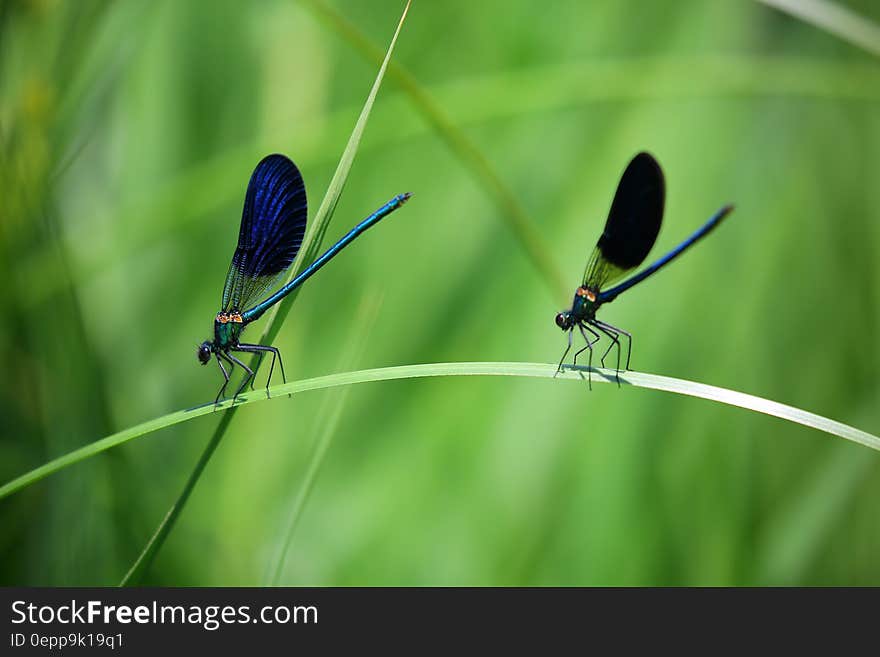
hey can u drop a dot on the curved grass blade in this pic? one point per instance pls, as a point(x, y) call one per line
point(533, 370)
point(308, 251)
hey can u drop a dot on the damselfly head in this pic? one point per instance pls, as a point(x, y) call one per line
point(204, 352)
point(563, 320)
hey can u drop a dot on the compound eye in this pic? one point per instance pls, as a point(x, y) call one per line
point(204, 354)
point(561, 321)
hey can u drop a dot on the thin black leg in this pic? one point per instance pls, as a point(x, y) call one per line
point(257, 367)
point(262, 349)
point(615, 340)
point(620, 332)
point(225, 376)
point(562, 360)
point(250, 348)
point(247, 378)
point(589, 346)
point(611, 333)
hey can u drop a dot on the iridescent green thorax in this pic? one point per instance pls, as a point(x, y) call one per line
point(227, 329)
point(584, 306)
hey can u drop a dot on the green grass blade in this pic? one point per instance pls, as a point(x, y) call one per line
point(532, 370)
point(312, 240)
point(145, 558)
point(308, 252)
point(833, 18)
point(519, 222)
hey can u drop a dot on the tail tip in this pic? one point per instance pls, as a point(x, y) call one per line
point(403, 198)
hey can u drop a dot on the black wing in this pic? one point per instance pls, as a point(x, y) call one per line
point(633, 223)
point(273, 223)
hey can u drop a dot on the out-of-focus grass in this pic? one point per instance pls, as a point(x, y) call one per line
point(126, 149)
point(326, 424)
point(537, 370)
point(834, 17)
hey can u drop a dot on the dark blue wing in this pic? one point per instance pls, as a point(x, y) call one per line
point(632, 225)
point(273, 223)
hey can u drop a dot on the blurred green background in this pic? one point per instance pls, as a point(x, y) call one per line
point(129, 131)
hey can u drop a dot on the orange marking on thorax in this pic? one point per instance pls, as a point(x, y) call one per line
point(584, 292)
point(225, 318)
